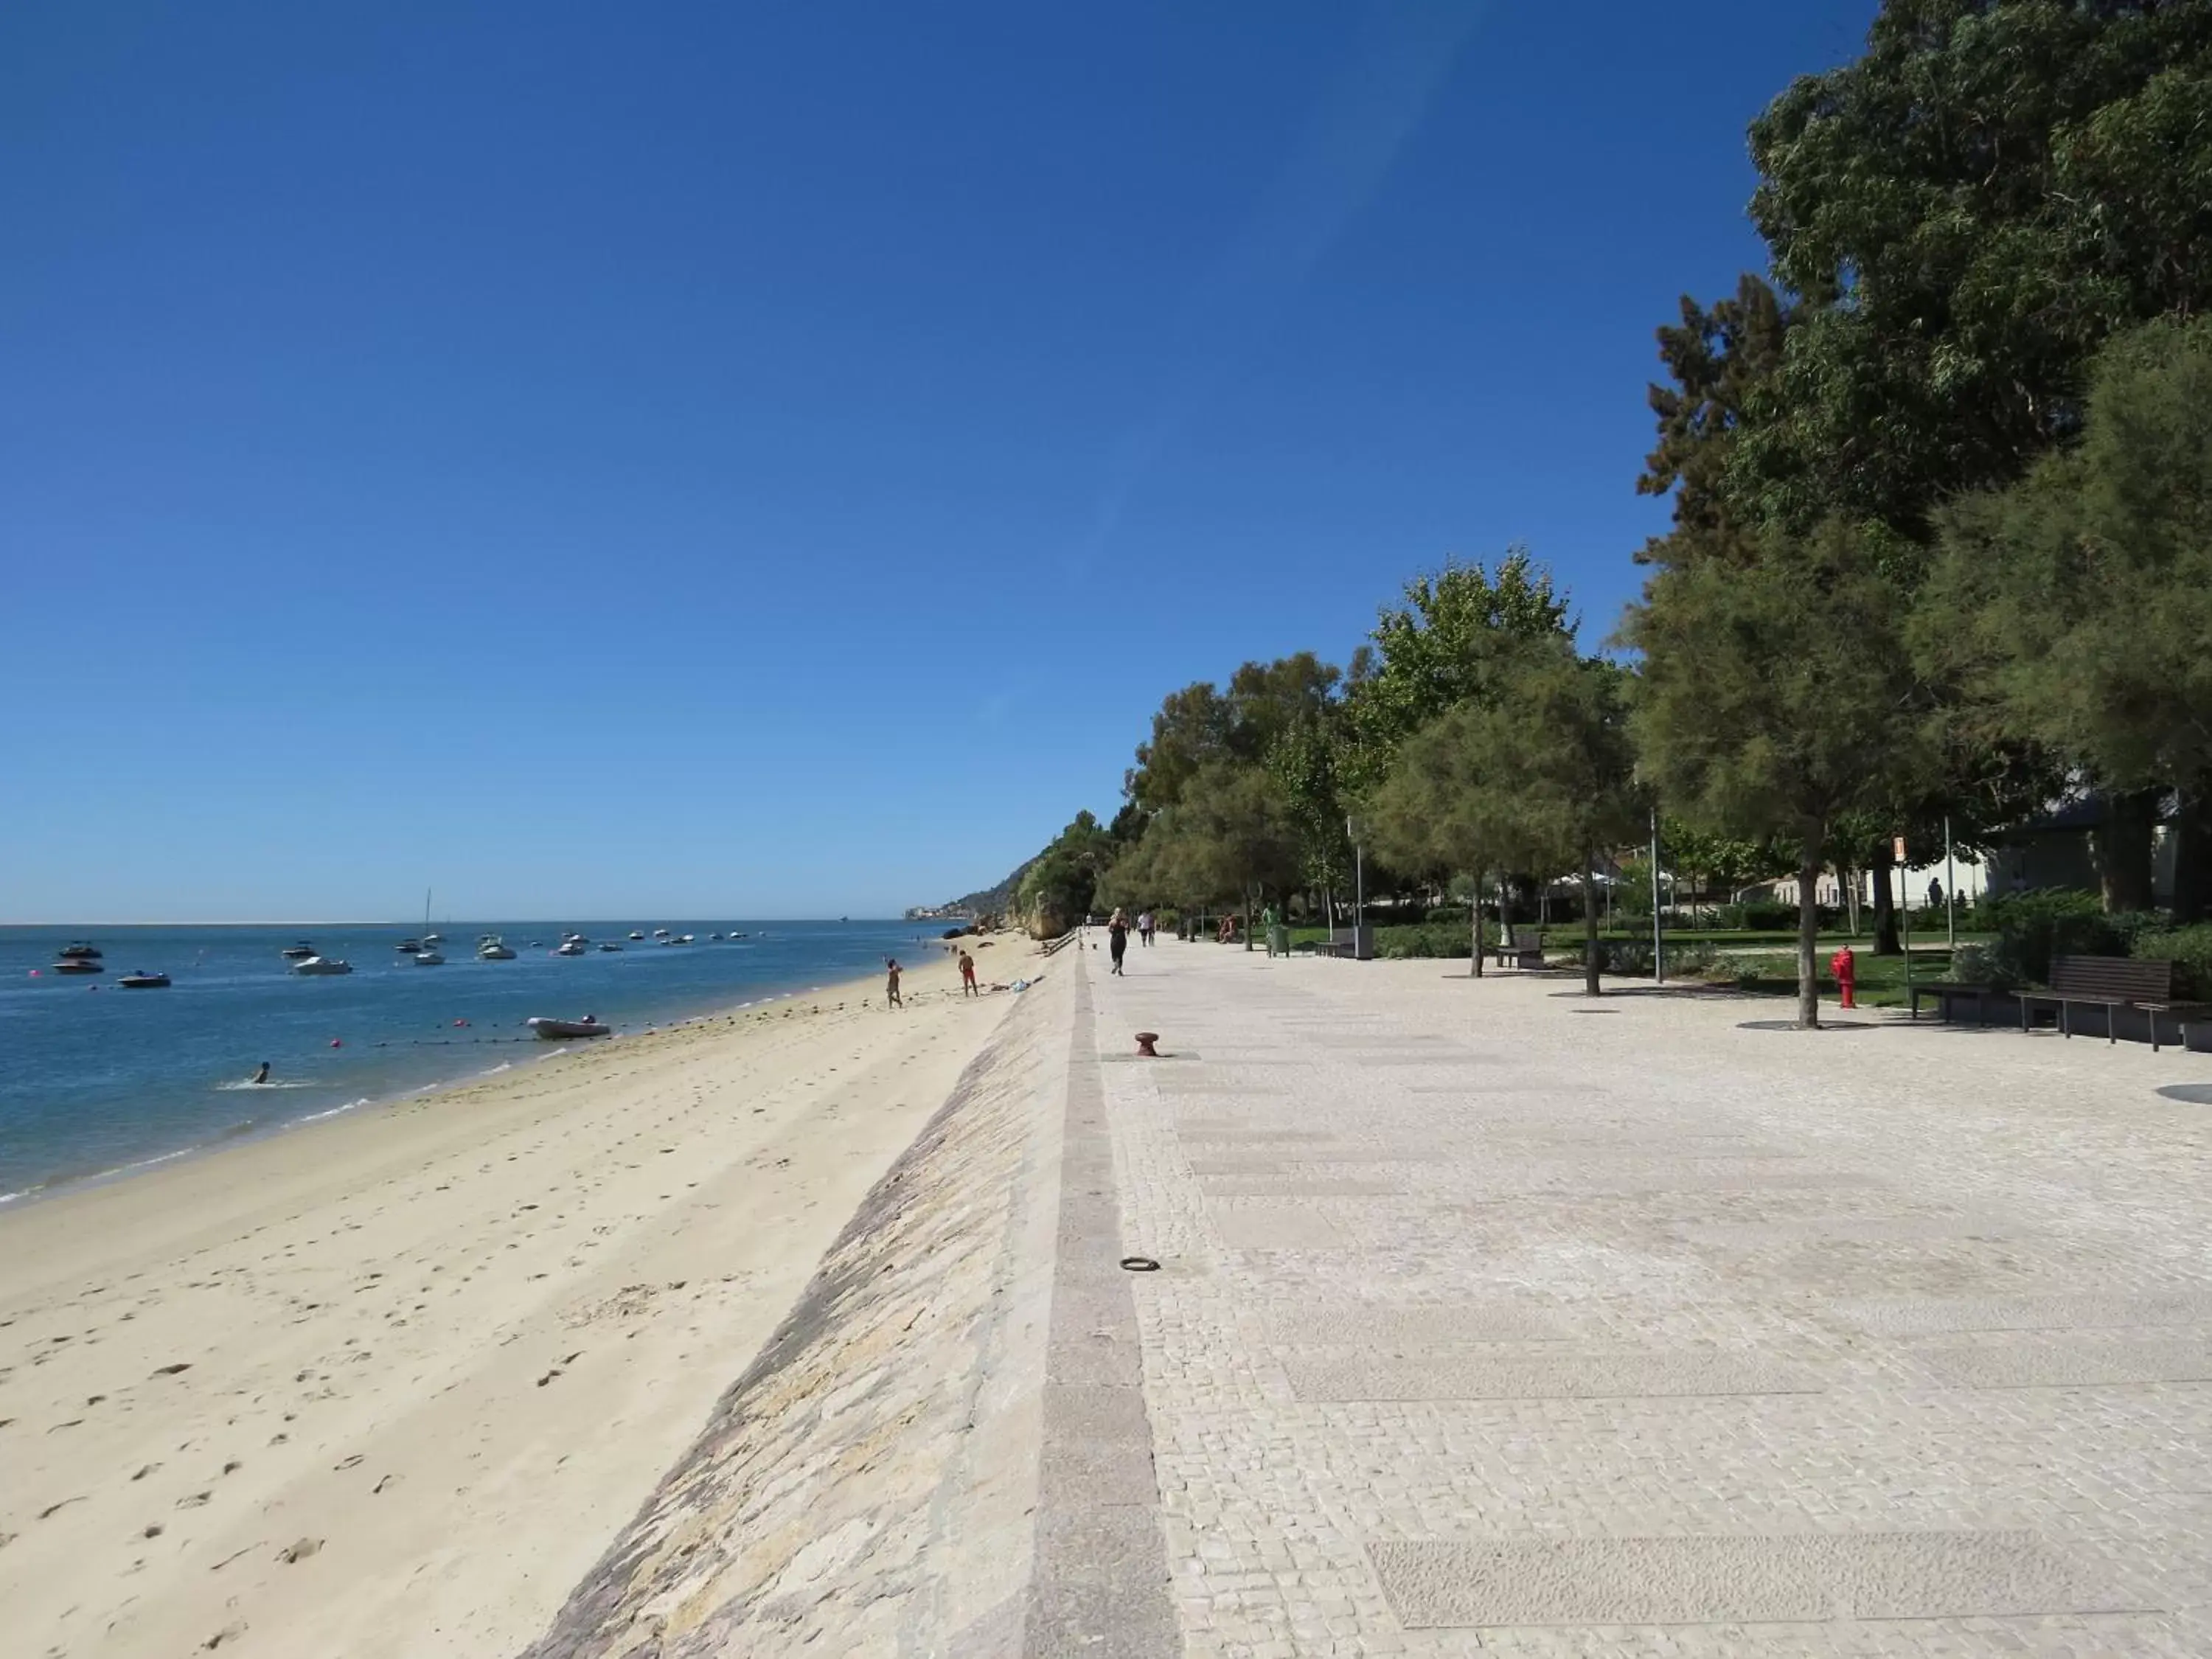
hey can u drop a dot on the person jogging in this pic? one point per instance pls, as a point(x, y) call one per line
point(1117, 936)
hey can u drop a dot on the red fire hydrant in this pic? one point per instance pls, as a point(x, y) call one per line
point(1845, 967)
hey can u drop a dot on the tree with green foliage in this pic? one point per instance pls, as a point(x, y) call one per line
point(1265, 704)
point(1777, 697)
point(1965, 213)
point(1061, 885)
point(1714, 861)
point(1539, 776)
point(1429, 816)
point(1437, 649)
point(2078, 603)
point(1228, 838)
point(1718, 358)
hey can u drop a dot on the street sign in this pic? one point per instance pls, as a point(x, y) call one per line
point(1900, 849)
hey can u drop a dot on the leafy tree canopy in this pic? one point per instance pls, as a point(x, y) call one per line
point(2079, 602)
point(1778, 697)
point(1438, 648)
point(1968, 210)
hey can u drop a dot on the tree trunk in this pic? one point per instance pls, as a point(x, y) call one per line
point(1884, 907)
point(1809, 929)
point(1590, 927)
point(2192, 858)
point(1474, 921)
point(2122, 848)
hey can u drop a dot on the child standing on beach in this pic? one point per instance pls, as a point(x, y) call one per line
point(891, 984)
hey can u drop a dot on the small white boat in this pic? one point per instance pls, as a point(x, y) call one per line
point(428, 959)
point(321, 965)
point(633, 934)
point(570, 947)
point(684, 938)
point(492, 948)
point(556, 1030)
point(433, 938)
point(299, 952)
point(609, 945)
point(142, 980)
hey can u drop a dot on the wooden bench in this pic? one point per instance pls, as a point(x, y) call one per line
point(1524, 949)
point(2111, 983)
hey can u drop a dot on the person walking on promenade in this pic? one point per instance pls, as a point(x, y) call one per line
point(1145, 923)
point(891, 983)
point(967, 975)
point(1117, 936)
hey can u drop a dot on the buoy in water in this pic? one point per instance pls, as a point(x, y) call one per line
point(335, 1043)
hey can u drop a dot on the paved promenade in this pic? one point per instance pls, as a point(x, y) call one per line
point(1492, 1319)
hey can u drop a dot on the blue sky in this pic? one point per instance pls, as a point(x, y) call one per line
point(771, 460)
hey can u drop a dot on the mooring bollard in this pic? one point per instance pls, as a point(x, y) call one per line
point(1144, 1041)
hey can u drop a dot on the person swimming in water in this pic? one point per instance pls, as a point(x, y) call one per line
point(261, 1076)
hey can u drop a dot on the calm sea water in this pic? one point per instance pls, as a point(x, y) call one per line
point(96, 1080)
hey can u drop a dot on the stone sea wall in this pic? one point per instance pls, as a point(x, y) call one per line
point(870, 1484)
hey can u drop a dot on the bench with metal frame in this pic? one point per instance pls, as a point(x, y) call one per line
point(2111, 983)
point(1524, 949)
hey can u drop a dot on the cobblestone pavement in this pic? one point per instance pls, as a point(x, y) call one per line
point(1493, 1320)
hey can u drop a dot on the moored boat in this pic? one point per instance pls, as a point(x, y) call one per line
point(78, 965)
point(556, 1030)
point(142, 981)
point(609, 945)
point(409, 946)
point(633, 934)
point(313, 965)
point(492, 948)
point(427, 958)
point(570, 947)
point(79, 951)
point(299, 952)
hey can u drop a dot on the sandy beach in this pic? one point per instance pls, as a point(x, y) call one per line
point(389, 1383)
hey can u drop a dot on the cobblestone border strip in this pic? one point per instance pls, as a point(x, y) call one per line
point(1100, 1582)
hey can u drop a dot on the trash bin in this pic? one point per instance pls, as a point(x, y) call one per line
point(1279, 940)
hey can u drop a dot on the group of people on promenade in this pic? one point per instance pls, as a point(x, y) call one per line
point(1117, 934)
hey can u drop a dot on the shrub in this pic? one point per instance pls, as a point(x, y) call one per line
point(2034, 926)
point(1973, 964)
point(1447, 913)
point(1631, 958)
point(1758, 916)
point(2190, 951)
point(1420, 939)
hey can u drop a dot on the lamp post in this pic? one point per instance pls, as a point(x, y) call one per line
point(1658, 921)
point(1358, 884)
point(1950, 891)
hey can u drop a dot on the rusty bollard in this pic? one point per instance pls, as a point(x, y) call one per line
point(1144, 1041)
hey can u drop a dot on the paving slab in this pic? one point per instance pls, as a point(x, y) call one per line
point(1662, 1335)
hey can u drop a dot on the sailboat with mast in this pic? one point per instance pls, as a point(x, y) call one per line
point(429, 956)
